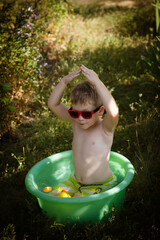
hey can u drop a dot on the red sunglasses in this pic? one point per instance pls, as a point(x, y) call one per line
point(85, 114)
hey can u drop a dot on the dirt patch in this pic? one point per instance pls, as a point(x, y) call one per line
point(83, 1)
point(128, 4)
point(120, 3)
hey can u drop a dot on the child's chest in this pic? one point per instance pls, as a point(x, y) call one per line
point(91, 141)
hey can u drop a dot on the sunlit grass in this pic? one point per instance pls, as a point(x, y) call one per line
point(96, 32)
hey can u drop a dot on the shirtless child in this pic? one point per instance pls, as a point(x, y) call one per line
point(92, 135)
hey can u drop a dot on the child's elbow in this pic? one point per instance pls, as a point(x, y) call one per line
point(113, 111)
point(115, 115)
point(117, 119)
point(50, 105)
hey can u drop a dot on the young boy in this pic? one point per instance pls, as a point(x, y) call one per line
point(92, 135)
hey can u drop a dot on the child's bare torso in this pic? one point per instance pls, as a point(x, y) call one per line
point(91, 152)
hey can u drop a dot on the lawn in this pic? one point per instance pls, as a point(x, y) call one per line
point(108, 37)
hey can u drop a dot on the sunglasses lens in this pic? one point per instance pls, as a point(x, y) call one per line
point(86, 115)
point(73, 114)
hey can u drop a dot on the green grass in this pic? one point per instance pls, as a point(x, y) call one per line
point(91, 36)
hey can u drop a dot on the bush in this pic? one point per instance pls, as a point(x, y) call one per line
point(140, 20)
point(152, 59)
point(22, 59)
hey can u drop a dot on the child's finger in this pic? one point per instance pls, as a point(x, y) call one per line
point(85, 68)
point(85, 73)
point(76, 74)
point(78, 70)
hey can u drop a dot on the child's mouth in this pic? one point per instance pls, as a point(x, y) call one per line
point(81, 124)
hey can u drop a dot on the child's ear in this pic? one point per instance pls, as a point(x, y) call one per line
point(101, 111)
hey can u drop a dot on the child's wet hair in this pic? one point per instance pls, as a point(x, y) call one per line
point(84, 93)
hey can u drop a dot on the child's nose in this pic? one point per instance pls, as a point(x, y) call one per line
point(80, 116)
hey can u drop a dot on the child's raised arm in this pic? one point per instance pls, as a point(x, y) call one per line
point(54, 101)
point(111, 118)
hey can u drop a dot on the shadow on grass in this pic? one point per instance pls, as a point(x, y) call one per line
point(20, 214)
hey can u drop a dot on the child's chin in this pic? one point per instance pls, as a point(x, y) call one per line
point(83, 126)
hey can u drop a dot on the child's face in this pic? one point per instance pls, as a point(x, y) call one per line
point(86, 123)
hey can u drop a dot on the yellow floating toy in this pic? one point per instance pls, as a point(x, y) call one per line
point(64, 194)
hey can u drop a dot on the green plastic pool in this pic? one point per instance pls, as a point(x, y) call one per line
point(95, 208)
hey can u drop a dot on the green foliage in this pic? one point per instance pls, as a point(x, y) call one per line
point(137, 21)
point(52, 10)
point(22, 61)
point(151, 59)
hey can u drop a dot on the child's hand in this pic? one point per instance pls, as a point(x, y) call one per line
point(89, 74)
point(70, 77)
